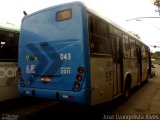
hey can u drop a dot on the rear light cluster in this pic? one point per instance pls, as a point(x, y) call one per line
point(79, 77)
point(20, 77)
point(29, 82)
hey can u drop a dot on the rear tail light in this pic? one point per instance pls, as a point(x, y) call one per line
point(80, 70)
point(76, 85)
point(20, 77)
point(29, 82)
point(22, 83)
point(20, 73)
point(79, 77)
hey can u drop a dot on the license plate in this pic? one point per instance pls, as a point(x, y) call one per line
point(46, 79)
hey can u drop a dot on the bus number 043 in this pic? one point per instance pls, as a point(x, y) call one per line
point(65, 56)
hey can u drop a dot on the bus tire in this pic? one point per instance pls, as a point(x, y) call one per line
point(127, 93)
point(127, 90)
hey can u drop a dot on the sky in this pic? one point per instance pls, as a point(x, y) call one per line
point(121, 12)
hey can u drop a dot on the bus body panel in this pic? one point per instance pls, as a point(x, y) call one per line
point(47, 28)
point(60, 61)
point(8, 80)
point(130, 68)
point(51, 52)
point(145, 63)
point(101, 80)
point(144, 70)
point(68, 96)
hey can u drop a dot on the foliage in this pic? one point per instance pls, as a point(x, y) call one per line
point(155, 55)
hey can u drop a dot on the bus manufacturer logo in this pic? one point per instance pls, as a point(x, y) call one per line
point(27, 57)
point(30, 69)
point(31, 58)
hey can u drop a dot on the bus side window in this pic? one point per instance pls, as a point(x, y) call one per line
point(92, 25)
point(117, 52)
point(9, 46)
point(126, 46)
point(93, 44)
point(2, 40)
point(133, 48)
point(98, 45)
point(99, 37)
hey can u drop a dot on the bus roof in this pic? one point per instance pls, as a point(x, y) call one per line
point(9, 27)
point(54, 6)
point(92, 11)
point(114, 24)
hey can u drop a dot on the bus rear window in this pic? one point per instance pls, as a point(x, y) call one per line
point(64, 15)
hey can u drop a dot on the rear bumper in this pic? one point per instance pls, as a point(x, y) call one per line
point(82, 96)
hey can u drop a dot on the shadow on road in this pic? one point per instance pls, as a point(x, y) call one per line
point(58, 110)
point(70, 111)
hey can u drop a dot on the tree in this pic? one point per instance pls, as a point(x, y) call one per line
point(155, 55)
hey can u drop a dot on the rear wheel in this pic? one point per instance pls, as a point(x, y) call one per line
point(127, 90)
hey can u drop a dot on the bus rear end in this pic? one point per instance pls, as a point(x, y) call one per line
point(51, 54)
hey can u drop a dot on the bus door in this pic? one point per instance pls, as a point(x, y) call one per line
point(117, 65)
point(139, 64)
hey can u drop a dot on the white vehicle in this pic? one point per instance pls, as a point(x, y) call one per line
point(9, 35)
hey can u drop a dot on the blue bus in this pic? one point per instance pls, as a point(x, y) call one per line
point(69, 53)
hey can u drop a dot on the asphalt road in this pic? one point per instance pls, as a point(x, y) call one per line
point(144, 101)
